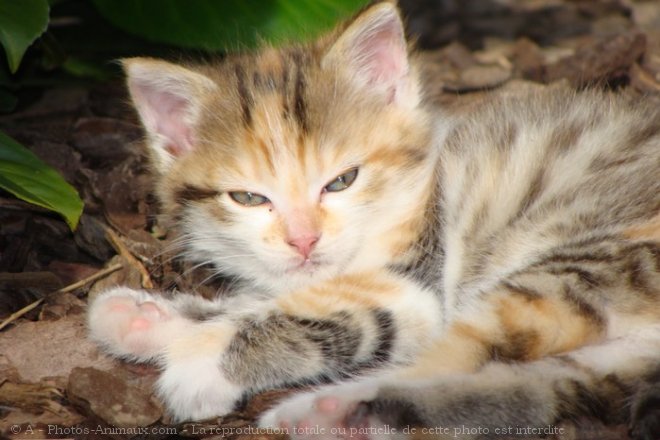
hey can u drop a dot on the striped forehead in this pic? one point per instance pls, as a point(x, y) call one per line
point(274, 147)
point(274, 74)
point(273, 93)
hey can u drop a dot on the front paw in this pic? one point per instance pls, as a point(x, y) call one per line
point(133, 324)
point(332, 412)
point(194, 387)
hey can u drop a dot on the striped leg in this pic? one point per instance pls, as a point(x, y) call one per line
point(325, 332)
point(501, 399)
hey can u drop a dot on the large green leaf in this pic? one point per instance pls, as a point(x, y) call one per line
point(21, 22)
point(27, 177)
point(225, 24)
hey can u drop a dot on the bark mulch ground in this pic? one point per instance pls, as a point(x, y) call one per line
point(54, 383)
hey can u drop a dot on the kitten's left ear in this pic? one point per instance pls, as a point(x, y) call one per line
point(374, 50)
point(169, 99)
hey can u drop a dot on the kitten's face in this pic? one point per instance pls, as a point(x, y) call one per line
point(294, 203)
point(293, 170)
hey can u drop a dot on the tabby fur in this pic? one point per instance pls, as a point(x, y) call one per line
point(490, 268)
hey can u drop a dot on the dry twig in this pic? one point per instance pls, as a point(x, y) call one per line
point(121, 248)
point(78, 284)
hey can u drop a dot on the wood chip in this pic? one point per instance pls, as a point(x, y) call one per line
point(112, 399)
point(599, 63)
point(123, 250)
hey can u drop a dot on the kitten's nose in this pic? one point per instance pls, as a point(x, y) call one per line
point(304, 244)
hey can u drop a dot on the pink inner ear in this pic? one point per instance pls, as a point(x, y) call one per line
point(173, 126)
point(380, 53)
point(165, 113)
point(384, 59)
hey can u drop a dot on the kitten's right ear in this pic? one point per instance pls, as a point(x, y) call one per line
point(169, 100)
point(374, 52)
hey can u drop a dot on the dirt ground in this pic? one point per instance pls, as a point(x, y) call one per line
point(54, 383)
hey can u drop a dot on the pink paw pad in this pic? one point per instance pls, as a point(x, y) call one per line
point(132, 323)
point(332, 414)
point(140, 324)
point(327, 404)
point(151, 310)
point(147, 314)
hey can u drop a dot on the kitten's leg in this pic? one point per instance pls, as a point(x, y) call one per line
point(501, 399)
point(578, 294)
point(324, 332)
point(367, 320)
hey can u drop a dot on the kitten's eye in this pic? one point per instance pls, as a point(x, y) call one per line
point(247, 198)
point(342, 181)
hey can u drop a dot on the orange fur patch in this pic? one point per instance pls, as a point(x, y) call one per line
point(207, 340)
point(462, 350)
point(539, 327)
point(359, 291)
point(646, 231)
point(516, 328)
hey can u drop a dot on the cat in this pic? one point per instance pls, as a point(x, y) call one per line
point(475, 271)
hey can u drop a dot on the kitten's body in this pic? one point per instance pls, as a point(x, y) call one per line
point(526, 230)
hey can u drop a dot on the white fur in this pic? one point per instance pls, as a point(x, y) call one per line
point(111, 319)
point(194, 388)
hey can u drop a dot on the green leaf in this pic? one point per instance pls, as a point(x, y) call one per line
point(27, 177)
point(225, 24)
point(21, 22)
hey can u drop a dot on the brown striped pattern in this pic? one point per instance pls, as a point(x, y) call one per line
point(535, 223)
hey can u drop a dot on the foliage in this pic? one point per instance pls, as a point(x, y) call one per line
point(21, 22)
point(27, 177)
point(226, 24)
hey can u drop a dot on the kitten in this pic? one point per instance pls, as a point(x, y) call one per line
point(493, 269)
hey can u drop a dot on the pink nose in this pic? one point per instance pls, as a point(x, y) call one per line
point(304, 244)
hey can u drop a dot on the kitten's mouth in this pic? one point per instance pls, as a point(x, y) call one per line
point(308, 265)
